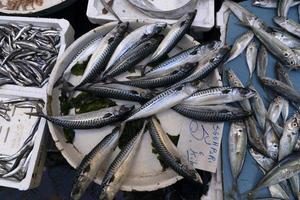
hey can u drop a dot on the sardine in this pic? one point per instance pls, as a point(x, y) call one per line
point(174, 35)
point(163, 101)
point(262, 61)
point(89, 166)
point(169, 153)
point(251, 55)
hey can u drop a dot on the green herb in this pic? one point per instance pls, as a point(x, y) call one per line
point(69, 135)
point(159, 158)
point(79, 68)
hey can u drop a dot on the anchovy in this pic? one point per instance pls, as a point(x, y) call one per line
point(89, 120)
point(161, 81)
point(191, 55)
point(91, 163)
point(262, 61)
point(251, 55)
point(214, 113)
point(289, 25)
point(239, 45)
point(285, 169)
point(117, 91)
point(285, 37)
point(102, 54)
point(119, 168)
point(169, 153)
point(218, 95)
point(289, 136)
point(132, 40)
point(282, 74)
point(163, 101)
point(259, 109)
point(137, 55)
point(174, 35)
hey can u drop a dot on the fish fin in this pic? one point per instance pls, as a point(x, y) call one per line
point(277, 129)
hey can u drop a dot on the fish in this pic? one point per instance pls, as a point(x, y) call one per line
point(191, 55)
point(269, 3)
point(255, 137)
point(283, 170)
point(289, 136)
point(282, 89)
point(262, 61)
point(137, 55)
point(259, 109)
point(234, 81)
point(149, 9)
point(89, 120)
point(239, 45)
point(272, 143)
point(91, 163)
point(169, 153)
point(215, 113)
point(294, 182)
point(218, 95)
point(109, 9)
point(288, 25)
point(282, 74)
point(251, 55)
point(163, 101)
point(237, 148)
point(285, 110)
point(117, 91)
point(132, 40)
point(283, 7)
point(160, 81)
point(103, 52)
point(285, 37)
point(119, 168)
point(174, 35)
point(274, 111)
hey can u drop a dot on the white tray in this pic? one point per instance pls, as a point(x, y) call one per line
point(204, 19)
point(146, 173)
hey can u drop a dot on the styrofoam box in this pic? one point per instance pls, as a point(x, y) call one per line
point(21, 123)
point(146, 173)
point(204, 19)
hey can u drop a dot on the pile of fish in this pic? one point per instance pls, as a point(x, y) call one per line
point(14, 166)
point(28, 54)
point(20, 4)
point(271, 134)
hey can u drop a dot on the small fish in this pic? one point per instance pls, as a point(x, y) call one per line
point(282, 74)
point(274, 111)
point(283, 7)
point(109, 9)
point(163, 101)
point(169, 153)
point(215, 113)
point(294, 182)
point(174, 35)
point(289, 25)
point(285, 110)
point(262, 61)
point(251, 55)
point(119, 168)
point(239, 45)
point(91, 163)
point(218, 95)
point(237, 148)
point(89, 120)
point(272, 143)
point(259, 109)
point(289, 136)
point(102, 54)
point(269, 3)
point(285, 37)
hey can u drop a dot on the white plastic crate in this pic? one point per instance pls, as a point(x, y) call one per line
point(204, 20)
point(15, 131)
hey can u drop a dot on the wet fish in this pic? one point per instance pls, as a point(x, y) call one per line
point(259, 109)
point(117, 91)
point(251, 55)
point(272, 143)
point(269, 3)
point(283, 7)
point(274, 111)
point(289, 25)
point(239, 45)
point(132, 40)
point(93, 119)
point(215, 113)
point(91, 163)
point(174, 35)
point(120, 167)
point(285, 37)
point(103, 52)
point(163, 101)
point(218, 95)
point(285, 110)
point(169, 153)
point(289, 136)
point(282, 74)
point(262, 61)
point(294, 182)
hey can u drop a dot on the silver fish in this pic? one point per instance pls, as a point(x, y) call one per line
point(285, 110)
point(174, 35)
point(262, 61)
point(109, 9)
point(259, 109)
point(269, 3)
point(169, 152)
point(239, 45)
point(289, 25)
point(274, 111)
point(163, 101)
point(251, 55)
point(120, 167)
point(294, 181)
point(282, 74)
point(91, 163)
point(285, 37)
point(102, 54)
point(237, 148)
point(289, 136)
point(132, 40)
point(283, 7)
point(272, 143)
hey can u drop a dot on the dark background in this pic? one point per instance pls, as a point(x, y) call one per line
point(58, 175)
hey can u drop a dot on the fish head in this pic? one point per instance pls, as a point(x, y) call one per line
point(220, 54)
point(259, 3)
point(268, 81)
point(191, 16)
point(280, 20)
point(78, 187)
point(291, 58)
point(293, 124)
point(126, 109)
point(245, 92)
point(156, 28)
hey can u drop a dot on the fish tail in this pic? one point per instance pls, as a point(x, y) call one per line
point(39, 112)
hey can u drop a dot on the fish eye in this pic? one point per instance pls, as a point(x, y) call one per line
point(294, 124)
point(292, 62)
point(286, 54)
